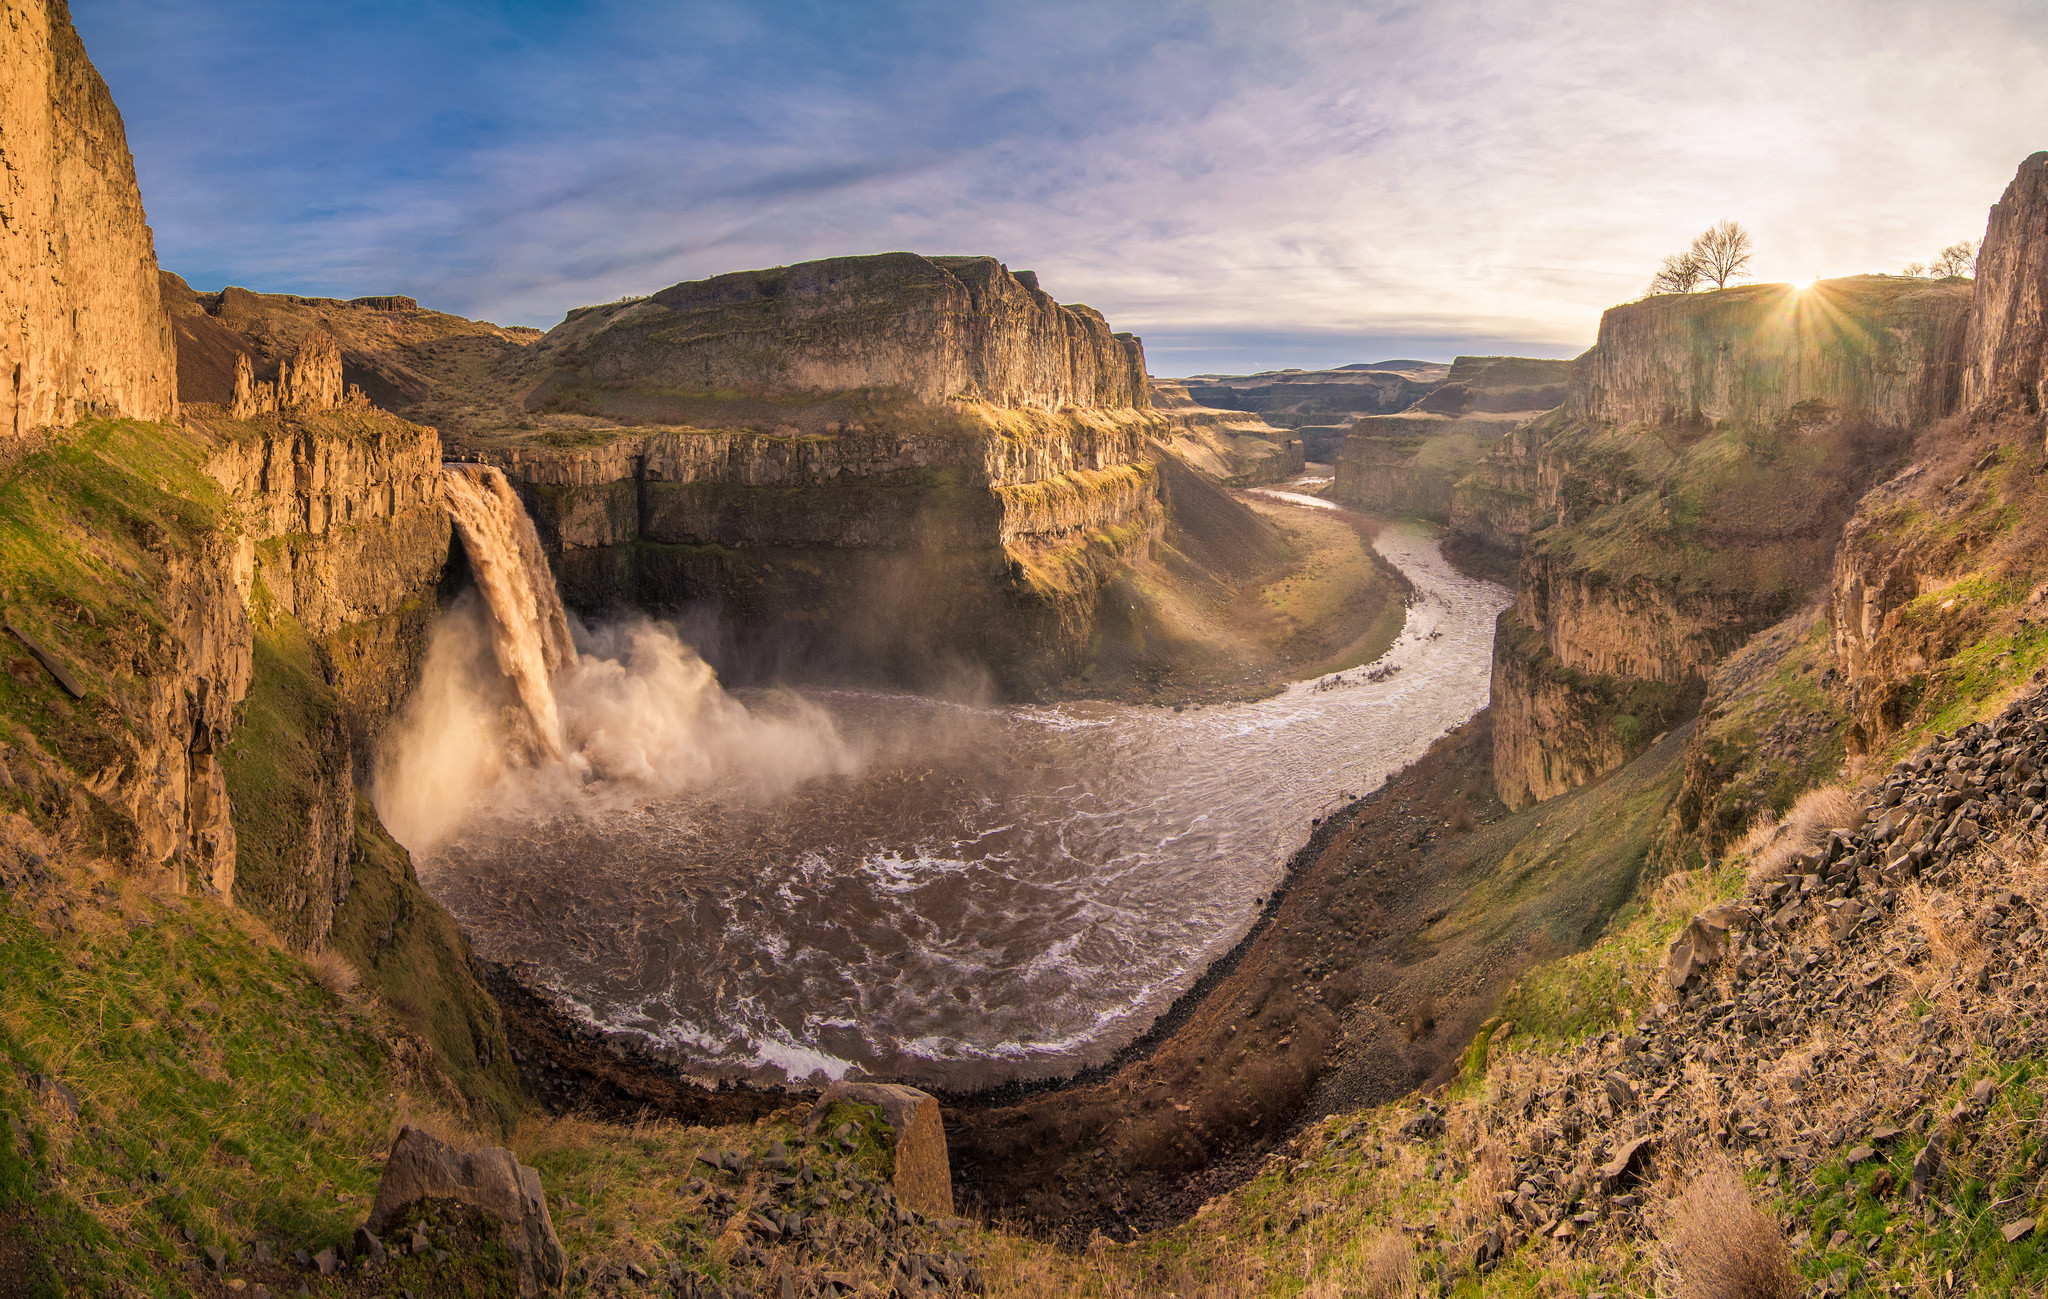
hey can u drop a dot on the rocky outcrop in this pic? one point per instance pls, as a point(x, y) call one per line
point(490, 1181)
point(311, 382)
point(931, 329)
point(2006, 351)
point(82, 328)
point(1690, 494)
point(924, 1178)
point(401, 357)
point(1888, 348)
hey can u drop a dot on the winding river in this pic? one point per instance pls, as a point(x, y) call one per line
point(998, 892)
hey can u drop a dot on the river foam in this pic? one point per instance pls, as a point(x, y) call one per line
point(989, 893)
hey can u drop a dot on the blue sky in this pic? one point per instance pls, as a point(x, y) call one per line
point(1247, 185)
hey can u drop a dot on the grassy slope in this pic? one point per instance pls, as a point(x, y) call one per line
point(90, 528)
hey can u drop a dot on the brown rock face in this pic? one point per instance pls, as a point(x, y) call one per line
point(340, 514)
point(1884, 345)
point(396, 352)
point(930, 328)
point(490, 1180)
point(82, 327)
point(1689, 495)
point(924, 1175)
point(2008, 332)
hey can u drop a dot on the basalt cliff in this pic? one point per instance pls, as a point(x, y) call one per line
point(1689, 493)
point(83, 332)
point(892, 467)
point(1413, 461)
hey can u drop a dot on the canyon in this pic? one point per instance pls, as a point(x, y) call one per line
point(1762, 542)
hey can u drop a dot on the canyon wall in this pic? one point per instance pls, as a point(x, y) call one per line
point(1939, 590)
point(900, 468)
point(969, 539)
point(1230, 446)
point(928, 328)
point(1690, 493)
point(82, 328)
point(1888, 346)
point(1414, 461)
point(2008, 333)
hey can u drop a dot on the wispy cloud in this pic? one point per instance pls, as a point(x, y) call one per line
point(1263, 182)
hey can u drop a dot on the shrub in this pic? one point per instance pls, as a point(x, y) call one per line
point(1721, 1246)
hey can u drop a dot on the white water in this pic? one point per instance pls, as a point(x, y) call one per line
point(509, 716)
point(929, 890)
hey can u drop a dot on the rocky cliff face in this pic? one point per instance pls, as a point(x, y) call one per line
point(1689, 495)
point(928, 328)
point(1888, 347)
point(403, 358)
point(1937, 595)
point(2008, 332)
point(937, 540)
point(81, 324)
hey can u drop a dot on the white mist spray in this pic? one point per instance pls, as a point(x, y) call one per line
point(510, 718)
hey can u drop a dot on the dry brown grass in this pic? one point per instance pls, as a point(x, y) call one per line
point(1770, 846)
point(1719, 1245)
point(1389, 1268)
point(334, 972)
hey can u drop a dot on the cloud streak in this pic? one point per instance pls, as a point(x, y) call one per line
point(1246, 185)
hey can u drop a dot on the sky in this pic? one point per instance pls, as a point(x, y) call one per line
point(1248, 184)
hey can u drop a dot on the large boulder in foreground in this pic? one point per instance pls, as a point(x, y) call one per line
point(491, 1181)
point(924, 1174)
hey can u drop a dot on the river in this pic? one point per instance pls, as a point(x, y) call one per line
point(998, 892)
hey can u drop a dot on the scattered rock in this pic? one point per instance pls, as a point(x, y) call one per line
point(2017, 1230)
point(1627, 1163)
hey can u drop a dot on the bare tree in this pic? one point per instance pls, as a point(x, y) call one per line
point(1722, 252)
point(1958, 258)
point(1680, 273)
point(1914, 269)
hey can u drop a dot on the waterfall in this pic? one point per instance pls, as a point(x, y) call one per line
point(509, 720)
point(529, 630)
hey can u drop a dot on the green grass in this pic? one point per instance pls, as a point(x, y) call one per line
point(223, 1091)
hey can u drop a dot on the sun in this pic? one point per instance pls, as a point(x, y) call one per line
point(1805, 284)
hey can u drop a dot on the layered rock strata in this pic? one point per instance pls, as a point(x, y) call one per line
point(1937, 590)
point(82, 328)
point(1689, 495)
point(931, 329)
point(981, 538)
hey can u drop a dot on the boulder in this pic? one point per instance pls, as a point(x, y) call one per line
point(1703, 942)
point(924, 1174)
point(491, 1181)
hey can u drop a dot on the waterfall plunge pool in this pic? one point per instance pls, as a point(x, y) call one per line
point(792, 884)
